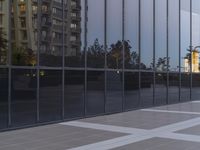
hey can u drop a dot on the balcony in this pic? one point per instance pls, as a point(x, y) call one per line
point(76, 18)
point(76, 7)
point(76, 30)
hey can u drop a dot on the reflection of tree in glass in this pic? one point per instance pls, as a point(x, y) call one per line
point(161, 65)
point(131, 58)
point(3, 47)
point(115, 56)
point(96, 55)
point(23, 56)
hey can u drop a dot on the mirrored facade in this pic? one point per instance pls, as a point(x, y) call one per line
point(69, 59)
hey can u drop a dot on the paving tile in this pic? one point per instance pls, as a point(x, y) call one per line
point(140, 119)
point(59, 136)
point(62, 137)
point(188, 107)
point(160, 144)
point(193, 130)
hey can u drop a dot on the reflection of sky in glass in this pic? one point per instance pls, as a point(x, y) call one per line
point(185, 34)
point(147, 32)
point(131, 23)
point(114, 21)
point(114, 26)
point(196, 29)
point(95, 21)
point(160, 27)
point(173, 34)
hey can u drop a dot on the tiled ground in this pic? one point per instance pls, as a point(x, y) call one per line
point(170, 127)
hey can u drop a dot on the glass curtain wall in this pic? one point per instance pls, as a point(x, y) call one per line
point(59, 61)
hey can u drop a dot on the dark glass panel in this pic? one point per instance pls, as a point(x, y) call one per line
point(23, 97)
point(114, 34)
point(95, 34)
point(74, 29)
point(196, 86)
point(50, 95)
point(114, 92)
point(185, 87)
point(131, 90)
point(173, 89)
point(146, 34)
point(131, 34)
point(74, 93)
point(24, 32)
point(146, 91)
point(160, 88)
point(3, 98)
point(185, 53)
point(95, 92)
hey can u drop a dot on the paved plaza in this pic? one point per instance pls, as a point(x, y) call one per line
point(172, 127)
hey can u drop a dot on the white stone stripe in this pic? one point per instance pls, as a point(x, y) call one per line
point(114, 143)
point(183, 137)
point(164, 132)
point(178, 126)
point(198, 101)
point(110, 128)
point(171, 111)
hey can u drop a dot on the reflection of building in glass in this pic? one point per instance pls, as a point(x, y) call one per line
point(52, 26)
point(195, 62)
point(72, 27)
point(186, 65)
point(4, 11)
point(24, 25)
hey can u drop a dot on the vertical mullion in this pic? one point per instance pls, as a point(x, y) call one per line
point(139, 22)
point(63, 61)
point(167, 3)
point(38, 58)
point(191, 34)
point(85, 51)
point(9, 64)
point(154, 52)
point(179, 50)
point(123, 67)
point(105, 59)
